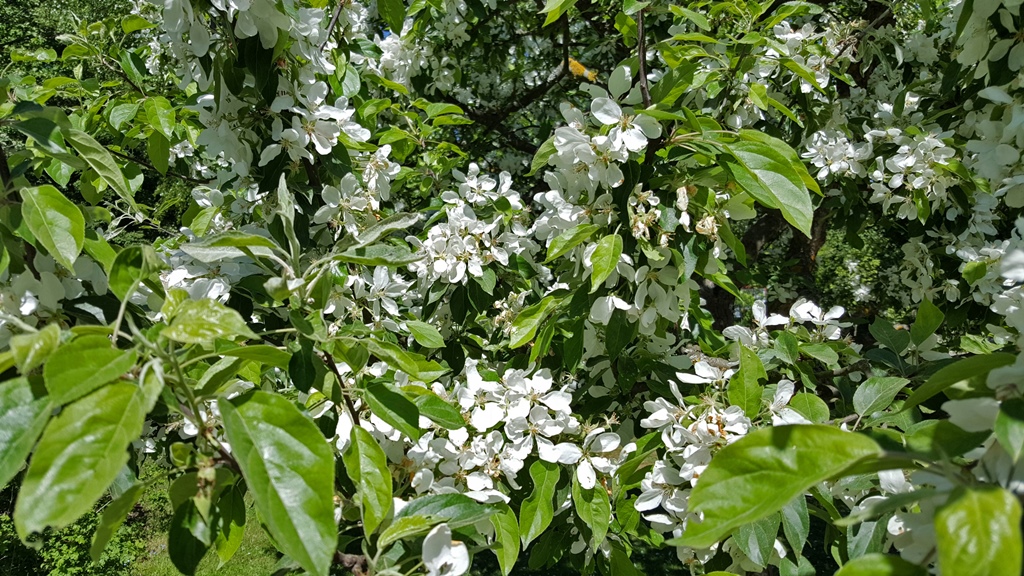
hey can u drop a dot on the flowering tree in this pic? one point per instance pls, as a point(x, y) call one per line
point(460, 277)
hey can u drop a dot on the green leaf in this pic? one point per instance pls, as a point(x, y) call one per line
point(262, 353)
point(821, 352)
point(593, 508)
point(524, 327)
point(83, 365)
point(133, 265)
point(24, 410)
point(928, 320)
point(771, 179)
point(399, 359)
point(100, 160)
point(974, 271)
point(134, 23)
point(367, 466)
point(113, 516)
point(425, 334)
point(440, 412)
point(555, 8)
point(394, 408)
point(974, 366)
point(506, 538)
point(745, 386)
point(188, 538)
point(393, 13)
point(160, 114)
point(880, 565)
point(159, 151)
point(457, 510)
point(796, 523)
point(888, 336)
point(569, 239)
point(379, 255)
point(757, 539)
point(203, 321)
point(400, 222)
point(942, 439)
point(540, 159)
point(787, 348)
point(875, 394)
point(762, 472)
point(537, 511)
point(810, 406)
point(290, 471)
point(230, 515)
point(44, 132)
point(55, 222)
point(405, 527)
point(81, 452)
point(620, 333)
point(1009, 427)
point(604, 259)
point(33, 348)
point(978, 533)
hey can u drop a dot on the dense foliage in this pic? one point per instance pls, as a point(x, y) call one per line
point(434, 280)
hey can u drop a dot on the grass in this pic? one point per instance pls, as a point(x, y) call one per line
point(255, 557)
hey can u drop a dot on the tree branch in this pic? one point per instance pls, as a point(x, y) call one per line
point(153, 168)
point(641, 44)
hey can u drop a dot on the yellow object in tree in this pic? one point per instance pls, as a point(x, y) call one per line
point(578, 69)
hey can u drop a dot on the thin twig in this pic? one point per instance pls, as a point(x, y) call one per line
point(334, 22)
point(329, 360)
point(856, 38)
point(123, 76)
point(641, 44)
point(153, 168)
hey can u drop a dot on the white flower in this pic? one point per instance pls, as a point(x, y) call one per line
point(442, 556)
point(629, 130)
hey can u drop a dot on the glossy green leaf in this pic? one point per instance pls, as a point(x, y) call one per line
point(159, 151)
point(888, 336)
point(772, 180)
point(757, 539)
point(101, 161)
point(593, 508)
point(133, 265)
point(880, 565)
point(456, 510)
point(506, 538)
point(762, 472)
point(524, 327)
point(405, 527)
point(400, 222)
point(30, 350)
point(796, 522)
point(809, 406)
point(56, 223)
point(134, 23)
point(189, 537)
point(876, 394)
point(160, 114)
point(928, 320)
point(393, 407)
point(978, 533)
point(113, 516)
point(393, 13)
point(440, 412)
point(24, 411)
point(570, 239)
point(290, 471)
point(203, 321)
point(425, 334)
point(80, 453)
point(959, 371)
point(604, 259)
point(745, 386)
point(262, 353)
point(230, 517)
point(537, 511)
point(1009, 427)
point(83, 365)
point(367, 466)
point(379, 255)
